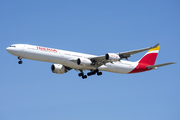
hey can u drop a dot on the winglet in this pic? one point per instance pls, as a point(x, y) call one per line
point(155, 45)
point(154, 49)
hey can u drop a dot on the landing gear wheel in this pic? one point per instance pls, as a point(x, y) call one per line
point(89, 74)
point(92, 73)
point(81, 74)
point(20, 62)
point(84, 77)
point(99, 73)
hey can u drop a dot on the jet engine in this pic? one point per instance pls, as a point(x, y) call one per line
point(83, 61)
point(59, 69)
point(112, 57)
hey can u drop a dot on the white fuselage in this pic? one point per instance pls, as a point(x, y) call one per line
point(66, 58)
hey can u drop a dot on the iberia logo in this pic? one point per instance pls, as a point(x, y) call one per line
point(46, 49)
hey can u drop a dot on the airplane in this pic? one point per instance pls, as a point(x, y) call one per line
point(67, 60)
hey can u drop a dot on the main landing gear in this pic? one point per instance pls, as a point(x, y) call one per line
point(20, 60)
point(93, 72)
point(81, 74)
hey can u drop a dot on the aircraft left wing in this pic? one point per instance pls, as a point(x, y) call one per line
point(100, 60)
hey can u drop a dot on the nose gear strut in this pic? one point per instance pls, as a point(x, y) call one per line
point(20, 60)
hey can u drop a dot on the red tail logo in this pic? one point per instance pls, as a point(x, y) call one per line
point(148, 59)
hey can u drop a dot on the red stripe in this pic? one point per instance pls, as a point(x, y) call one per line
point(140, 68)
point(148, 59)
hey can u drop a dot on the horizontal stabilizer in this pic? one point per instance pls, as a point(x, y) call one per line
point(159, 65)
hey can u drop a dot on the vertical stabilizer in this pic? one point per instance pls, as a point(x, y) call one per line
point(150, 57)
point(147, 60)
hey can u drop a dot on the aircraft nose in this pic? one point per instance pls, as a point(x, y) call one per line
point(9, 49)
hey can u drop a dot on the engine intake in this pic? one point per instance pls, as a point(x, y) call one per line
point(112, 57)
point(58, 69)
point(83, 61)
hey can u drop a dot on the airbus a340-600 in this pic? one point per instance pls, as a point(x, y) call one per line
point(67, 60)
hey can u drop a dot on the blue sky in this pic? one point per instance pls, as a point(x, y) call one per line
point(31, 91)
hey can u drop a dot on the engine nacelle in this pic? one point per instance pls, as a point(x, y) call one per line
point(83, 61)
point(58, 69)
point(112, 57)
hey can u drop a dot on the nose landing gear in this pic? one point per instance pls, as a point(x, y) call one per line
point(20, 60)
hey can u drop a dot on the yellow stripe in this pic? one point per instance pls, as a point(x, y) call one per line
point(157, 48)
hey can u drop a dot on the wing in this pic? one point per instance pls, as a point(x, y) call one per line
point(100, 60)
point(129, 53)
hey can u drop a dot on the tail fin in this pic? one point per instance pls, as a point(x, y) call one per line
point(150, 57)
point(147, 61)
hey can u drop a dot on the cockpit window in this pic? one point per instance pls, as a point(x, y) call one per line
point(12, 46)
